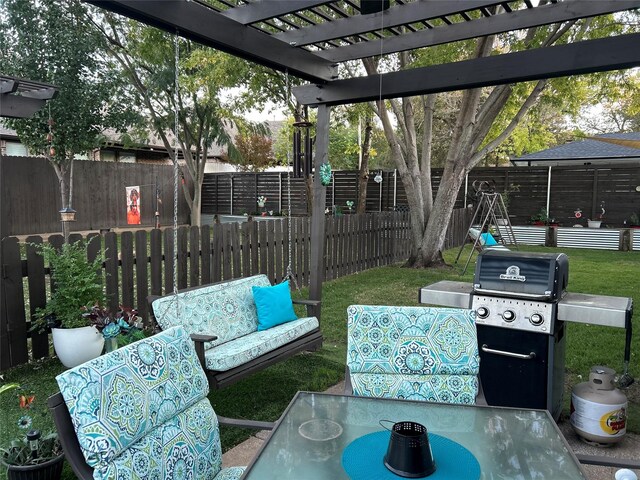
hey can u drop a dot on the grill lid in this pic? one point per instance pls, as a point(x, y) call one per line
point(540, 276)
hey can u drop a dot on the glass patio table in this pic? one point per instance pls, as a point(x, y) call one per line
point(508, 443)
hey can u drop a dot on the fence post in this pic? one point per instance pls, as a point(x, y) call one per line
point(548, 189)
point(280, 192)
point(594, 198)
point(625, 240)
point(551, 237)
point(231, 199)
point(395, 188)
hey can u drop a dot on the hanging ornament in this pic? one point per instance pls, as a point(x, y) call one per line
point(378, 177)
point(325, 174)
point(578, 213)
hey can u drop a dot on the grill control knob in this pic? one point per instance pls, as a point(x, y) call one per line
point(536, 319)
point(509, 316)
point(482, 312)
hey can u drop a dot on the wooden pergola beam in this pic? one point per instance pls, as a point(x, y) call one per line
point(200, 23)
point(579, 58)
point(265, 10)
point(393, 17)
point(499, 23)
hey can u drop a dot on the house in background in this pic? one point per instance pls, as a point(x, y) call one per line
point(114, 150)
point(605, 149)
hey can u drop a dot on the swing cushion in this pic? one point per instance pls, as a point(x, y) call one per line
point(244, 349)
point(274, 305)
point(226, 309)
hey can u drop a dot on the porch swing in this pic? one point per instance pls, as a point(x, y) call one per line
point(239, 326)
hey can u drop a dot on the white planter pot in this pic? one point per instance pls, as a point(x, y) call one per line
point(75, 346)
point(594, 223)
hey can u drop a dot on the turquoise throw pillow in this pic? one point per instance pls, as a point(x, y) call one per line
point(488, 239)
point(274, 305)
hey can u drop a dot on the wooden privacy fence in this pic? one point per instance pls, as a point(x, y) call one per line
point(563, 189)
point(141, 263)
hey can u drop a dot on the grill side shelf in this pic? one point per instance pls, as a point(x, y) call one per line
point(595, 309)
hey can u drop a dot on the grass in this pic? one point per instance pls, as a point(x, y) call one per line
point(265, 395)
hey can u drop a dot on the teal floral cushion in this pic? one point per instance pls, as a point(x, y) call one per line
point(224, 309)
point(118, 399)
point(185, 446)
point(230, 473)
point(460, 389)
point(242, 350)
point(403, 347)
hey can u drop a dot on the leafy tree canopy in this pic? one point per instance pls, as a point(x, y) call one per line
point(49, 41)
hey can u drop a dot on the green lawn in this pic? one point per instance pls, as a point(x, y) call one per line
point(265, 395)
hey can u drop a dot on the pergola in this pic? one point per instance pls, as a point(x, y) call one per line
point(310, 38)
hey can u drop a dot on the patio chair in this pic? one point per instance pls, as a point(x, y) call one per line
point(141, 412)
point(413, 353)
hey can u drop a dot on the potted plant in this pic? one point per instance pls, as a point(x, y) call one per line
point(634, 220)
point(123, 323)
point(600, 218)
point(541, 218)
point(77, 283)
point(31, 455)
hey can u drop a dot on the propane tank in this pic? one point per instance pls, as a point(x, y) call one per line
point(598, 409)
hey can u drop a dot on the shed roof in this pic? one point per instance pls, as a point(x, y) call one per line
point(608, 145)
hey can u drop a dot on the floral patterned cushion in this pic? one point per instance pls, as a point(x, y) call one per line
point(185, 446)
point(139, 405)
point(224, 309)
point(242, 350)
point(461, 389)
point(403, 351)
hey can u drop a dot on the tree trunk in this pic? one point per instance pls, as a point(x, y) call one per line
point(429, 252)
point(196, 217)
point(363, 175)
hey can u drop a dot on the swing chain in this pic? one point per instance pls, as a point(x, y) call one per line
point(290, 274)
point(176, 171)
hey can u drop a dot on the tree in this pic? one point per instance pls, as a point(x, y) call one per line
point(484, 119)
point(49, 41)
point(618, 99)
point(147, 57)
point(255, 152)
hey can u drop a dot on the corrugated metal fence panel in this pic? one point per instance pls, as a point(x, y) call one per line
point(526, 235)
point(600, 239)
point(635, 239)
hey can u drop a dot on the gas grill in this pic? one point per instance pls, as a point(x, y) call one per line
point(521, 306)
